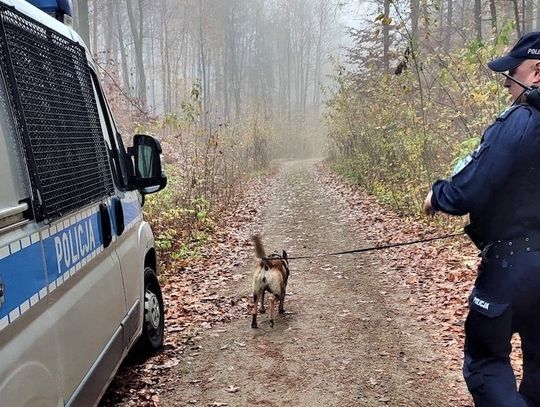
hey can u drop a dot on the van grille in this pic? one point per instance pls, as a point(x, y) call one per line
point(49, 83)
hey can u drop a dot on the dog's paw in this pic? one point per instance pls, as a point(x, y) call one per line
point(254, 325)
point(281, 311)
point(262, 311)
point(272, 323)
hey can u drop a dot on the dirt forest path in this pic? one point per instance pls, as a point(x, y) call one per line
point(348, 337)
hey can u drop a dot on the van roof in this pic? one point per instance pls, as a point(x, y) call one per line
point(45, 19)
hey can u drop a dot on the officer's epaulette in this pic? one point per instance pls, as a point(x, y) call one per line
point(507, 112)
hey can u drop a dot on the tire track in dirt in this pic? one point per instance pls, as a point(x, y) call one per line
point(348, 338)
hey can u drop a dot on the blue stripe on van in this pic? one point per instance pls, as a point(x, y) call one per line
point(23, 277)
point(67, 246)
point(132, 210)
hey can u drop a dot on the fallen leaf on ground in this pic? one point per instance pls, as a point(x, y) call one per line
point(232, 389)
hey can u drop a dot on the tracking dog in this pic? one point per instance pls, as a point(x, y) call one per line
point(270, 275)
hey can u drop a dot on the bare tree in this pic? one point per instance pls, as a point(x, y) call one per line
point(386, 35)
point(537, 15)
point(246, 55)
point(528, 15)
point(415, 15)
point(478, 19)
point(137, 28)
point(516, 16)
point(449, 23)
point(493, 13)
point(83, 22)
point(122, 47)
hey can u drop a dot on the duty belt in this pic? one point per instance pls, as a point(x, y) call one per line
point(506, 248)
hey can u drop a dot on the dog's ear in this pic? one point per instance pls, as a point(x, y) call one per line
point(284, 254)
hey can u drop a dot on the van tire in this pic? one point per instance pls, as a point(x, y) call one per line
point(153, 332)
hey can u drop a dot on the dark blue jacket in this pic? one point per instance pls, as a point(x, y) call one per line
point(500, 186)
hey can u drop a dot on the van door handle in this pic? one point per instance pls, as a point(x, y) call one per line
point(1, 293)
point(118, 216)
point(106, 230)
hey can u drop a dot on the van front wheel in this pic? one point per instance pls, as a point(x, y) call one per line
point(153, 332)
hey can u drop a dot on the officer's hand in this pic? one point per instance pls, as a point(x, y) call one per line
point(428, 209)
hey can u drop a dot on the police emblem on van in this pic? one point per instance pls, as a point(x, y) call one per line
point(73, 245)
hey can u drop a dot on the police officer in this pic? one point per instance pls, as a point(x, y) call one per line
point(498, 185)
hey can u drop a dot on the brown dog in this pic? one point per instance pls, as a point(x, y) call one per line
point(271, 275)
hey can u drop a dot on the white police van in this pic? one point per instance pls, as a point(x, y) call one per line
point(78, 285)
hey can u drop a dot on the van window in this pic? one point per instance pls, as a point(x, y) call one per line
point(108, 133)
point(57, 118)
point(14, 183)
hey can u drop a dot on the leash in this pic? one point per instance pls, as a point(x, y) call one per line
point(367, 249)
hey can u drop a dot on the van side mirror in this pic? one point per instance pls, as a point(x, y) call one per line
point(149, 169)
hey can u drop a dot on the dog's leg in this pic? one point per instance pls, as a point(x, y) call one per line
point(254, 311)
point(273, 299)
point(262, 310)
point(281, 301)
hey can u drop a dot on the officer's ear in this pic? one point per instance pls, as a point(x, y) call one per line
point(537, 67)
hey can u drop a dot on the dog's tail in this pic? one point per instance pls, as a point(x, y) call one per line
point(259, 249)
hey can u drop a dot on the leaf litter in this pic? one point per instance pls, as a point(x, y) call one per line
point(438, 276)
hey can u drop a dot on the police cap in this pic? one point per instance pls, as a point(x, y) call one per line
point(528, 47)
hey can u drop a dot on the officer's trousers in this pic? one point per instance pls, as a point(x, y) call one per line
point(505, 300)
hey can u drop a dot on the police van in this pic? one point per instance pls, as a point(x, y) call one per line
point(78, 284)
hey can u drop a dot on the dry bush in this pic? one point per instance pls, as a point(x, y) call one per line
point(396, 134)
point(207, 167)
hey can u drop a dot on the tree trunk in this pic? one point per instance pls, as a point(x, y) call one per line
point(318, 62)
point(478, 19)
point(122, 47)
point(288, 80)
point(516, 16)
point(83, 22)
point(386, 36)
point(233, 69)
point(307, 69)
point(449, 23)
point(137, 33)
point(165, 59)
point(76, 16)
point(95, 28)
point(493, 12)
point(537, 15)
point(202, 62)
point(528, 16)
point(415, 14)
point(109, 35)
point(152, 59)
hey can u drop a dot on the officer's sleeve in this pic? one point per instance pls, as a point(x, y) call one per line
point(488, 168)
